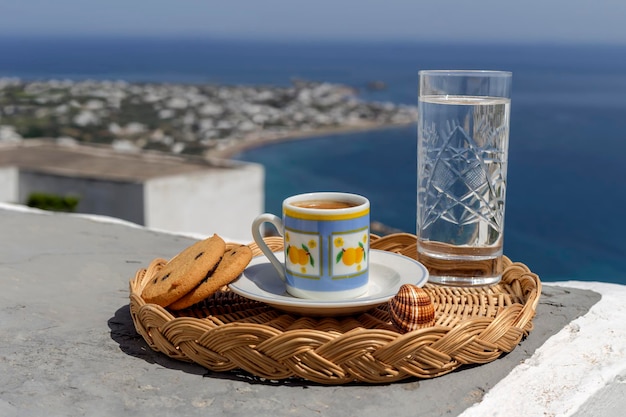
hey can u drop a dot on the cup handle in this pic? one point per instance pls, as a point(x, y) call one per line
point(256, 235)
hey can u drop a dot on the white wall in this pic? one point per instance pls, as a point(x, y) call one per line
point(8, 185)
point(224, 200)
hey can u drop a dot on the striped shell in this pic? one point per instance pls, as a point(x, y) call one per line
point(411, 308)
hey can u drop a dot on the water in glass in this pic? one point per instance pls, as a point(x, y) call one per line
point(462, 146)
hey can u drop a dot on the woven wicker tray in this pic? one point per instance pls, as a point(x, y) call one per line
point(227, 331)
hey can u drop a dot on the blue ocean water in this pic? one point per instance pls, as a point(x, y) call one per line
point(566, 192)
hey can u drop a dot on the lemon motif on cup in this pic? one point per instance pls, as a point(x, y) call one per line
point(301, 256)
point(351, 256)
point(292, 252)
point(360, 254)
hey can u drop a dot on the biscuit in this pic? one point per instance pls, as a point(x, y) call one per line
point(184, 271)
point(230, 267)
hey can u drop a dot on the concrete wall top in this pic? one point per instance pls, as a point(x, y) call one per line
point(77, 160)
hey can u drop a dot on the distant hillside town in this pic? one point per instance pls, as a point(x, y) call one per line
point(183, 119)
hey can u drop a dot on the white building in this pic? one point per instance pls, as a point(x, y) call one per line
point(166, 192)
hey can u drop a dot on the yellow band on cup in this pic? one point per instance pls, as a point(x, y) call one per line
point(325, 216)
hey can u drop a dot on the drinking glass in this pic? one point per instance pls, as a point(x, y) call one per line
point(463, 139)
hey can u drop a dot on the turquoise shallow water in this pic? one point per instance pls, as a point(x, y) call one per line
point(566, 192)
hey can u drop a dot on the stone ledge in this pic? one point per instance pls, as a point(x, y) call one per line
point(68, 345)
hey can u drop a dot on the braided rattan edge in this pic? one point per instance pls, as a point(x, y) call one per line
point(473, 326)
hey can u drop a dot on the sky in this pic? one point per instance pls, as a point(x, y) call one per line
point(544, 21)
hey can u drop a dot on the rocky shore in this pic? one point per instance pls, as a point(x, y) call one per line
point(187, 119)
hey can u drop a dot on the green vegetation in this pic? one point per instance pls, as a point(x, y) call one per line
point(52, 202)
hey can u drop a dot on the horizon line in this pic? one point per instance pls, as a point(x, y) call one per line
point(207, 37)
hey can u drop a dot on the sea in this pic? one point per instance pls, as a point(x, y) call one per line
point(566, 191)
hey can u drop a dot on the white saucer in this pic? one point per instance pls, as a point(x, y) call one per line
point(388, 272)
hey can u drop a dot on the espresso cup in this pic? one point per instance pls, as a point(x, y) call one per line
point(326, 245)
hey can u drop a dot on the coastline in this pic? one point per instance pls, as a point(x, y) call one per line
point(236, 146)
point(186, 119)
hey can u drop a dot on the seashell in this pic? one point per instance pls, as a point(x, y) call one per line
point(411, 308)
